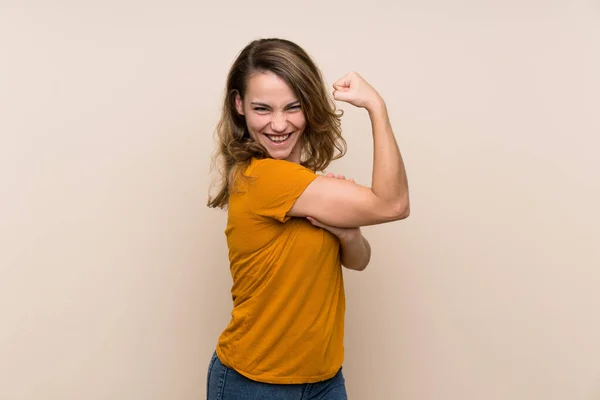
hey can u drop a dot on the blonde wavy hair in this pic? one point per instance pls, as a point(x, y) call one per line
point(321, 140)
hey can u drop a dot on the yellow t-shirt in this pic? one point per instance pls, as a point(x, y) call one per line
point(287, 323)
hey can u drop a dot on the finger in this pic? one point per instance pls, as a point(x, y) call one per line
point(341, 95)
point(342, 88)
point(341, 177)
point(314, 221)
point(351, 180)
point(343, 82)
point(330, 175)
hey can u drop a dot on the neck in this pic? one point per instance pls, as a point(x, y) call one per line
point(295, 158)
point(295, 155)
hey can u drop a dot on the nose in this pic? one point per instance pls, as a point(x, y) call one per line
point(279, 122)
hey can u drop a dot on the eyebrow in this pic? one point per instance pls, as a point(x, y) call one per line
point(255, 103)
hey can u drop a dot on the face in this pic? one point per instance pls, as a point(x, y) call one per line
point(273, 115)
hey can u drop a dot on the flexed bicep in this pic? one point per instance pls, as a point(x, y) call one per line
point(344, 204)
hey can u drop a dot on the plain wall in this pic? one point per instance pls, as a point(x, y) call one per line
point(114, 281)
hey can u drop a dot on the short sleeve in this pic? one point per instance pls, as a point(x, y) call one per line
point(276, 185)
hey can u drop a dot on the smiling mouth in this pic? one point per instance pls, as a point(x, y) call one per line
point(278, 138)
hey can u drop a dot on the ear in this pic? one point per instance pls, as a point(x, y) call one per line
point(239, 106)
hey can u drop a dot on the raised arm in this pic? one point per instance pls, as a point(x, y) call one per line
point(346, 204)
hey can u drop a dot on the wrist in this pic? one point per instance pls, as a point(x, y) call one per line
point(376, 106)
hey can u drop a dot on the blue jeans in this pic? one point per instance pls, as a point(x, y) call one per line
point(226, 384)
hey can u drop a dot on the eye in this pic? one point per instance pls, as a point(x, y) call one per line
point(295, 107)
point(260, 109)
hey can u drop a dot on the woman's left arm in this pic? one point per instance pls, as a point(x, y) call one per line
point(356, 252)
point(355, 248)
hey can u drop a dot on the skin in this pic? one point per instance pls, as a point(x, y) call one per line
point(271, 109)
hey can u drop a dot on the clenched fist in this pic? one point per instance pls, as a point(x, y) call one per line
point(353, 89)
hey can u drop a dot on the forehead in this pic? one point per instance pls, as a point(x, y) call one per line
point(268, 87)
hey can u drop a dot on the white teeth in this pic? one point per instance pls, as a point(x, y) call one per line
point(278, 138)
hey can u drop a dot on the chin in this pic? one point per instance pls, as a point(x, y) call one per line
point(280, 150)
point(279, 155)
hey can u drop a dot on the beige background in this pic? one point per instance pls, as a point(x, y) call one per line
point(114, 280)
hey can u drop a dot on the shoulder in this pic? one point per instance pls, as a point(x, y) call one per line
point(275, 185)
point(274, 167)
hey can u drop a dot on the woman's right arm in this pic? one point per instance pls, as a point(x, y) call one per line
point(342, 203)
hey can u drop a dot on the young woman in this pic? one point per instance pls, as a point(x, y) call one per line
point(289, 230)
